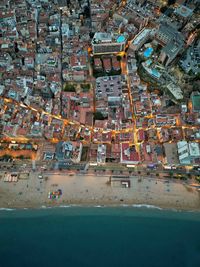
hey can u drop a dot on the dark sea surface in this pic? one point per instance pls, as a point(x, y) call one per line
point(98, 237)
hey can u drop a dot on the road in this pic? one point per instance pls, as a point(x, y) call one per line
point(133, 129)
point(49, 167)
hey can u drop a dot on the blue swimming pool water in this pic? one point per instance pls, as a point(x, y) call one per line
point(155, 73)
point(148, 52)
point(120, 39)
point(148, 62)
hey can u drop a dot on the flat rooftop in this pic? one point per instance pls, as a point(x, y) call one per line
point(141, 35)
point(194, 149)
point(104, 37)
point(175, 90)
point(196, 102)
point(184, 11)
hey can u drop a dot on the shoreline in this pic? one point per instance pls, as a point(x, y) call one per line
point(93, 191)
point(97, 204)
point(101, 206)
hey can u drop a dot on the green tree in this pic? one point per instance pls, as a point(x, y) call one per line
point(119, 58)
point(6, 157)
point(98, 116)
point(69, 88)
point(85, 87)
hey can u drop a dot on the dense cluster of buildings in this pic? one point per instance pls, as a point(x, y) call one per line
point(105, 76)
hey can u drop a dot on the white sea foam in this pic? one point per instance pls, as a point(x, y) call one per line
point(146, 206)
point(7, 209)
point(45, 207)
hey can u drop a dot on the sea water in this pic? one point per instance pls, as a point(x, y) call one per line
point(99, 236)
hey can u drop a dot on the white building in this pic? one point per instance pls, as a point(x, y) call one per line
point(107, 43)
point(188, 152)
point(140, 39)
point(101, 154)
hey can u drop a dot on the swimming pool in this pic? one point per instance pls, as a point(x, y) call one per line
point(148, 52)
point(155, 73)
point(120, 39)
point(148, 62)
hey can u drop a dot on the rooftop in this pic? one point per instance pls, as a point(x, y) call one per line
point(183, 11)
point(141, 36)
point(196, 102)
point(129, 154)
point(104, 37)
point(194, 149)
point(175, 90)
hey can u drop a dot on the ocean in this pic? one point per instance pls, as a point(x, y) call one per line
point(99, 237)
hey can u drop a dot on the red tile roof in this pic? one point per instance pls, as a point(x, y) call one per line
point(141, 135)
point(129, 154)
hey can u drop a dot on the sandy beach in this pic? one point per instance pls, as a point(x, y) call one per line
point(95, 190)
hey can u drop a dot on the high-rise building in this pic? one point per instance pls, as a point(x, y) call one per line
point(172, 42)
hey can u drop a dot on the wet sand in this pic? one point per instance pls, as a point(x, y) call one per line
point(95, 190)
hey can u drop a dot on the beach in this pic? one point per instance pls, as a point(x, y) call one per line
point(95, 190)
